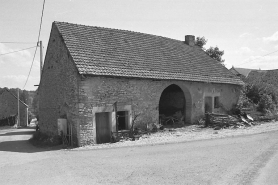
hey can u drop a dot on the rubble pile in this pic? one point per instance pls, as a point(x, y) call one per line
point(177, 119)
point(219, 121)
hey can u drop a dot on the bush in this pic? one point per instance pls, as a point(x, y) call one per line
point(266, 105)
point(253, 93)
point(244, 101)
point(263, 96)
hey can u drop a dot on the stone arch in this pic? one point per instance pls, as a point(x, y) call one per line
point(175, 100)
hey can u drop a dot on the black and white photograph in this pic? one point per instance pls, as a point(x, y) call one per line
point(139, 92)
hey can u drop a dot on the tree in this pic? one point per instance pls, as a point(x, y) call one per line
point(216, 54)
point(213, 52)
point(35, 104)
point(200, 41)
point(266, 104)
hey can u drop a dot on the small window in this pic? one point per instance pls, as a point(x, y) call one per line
point(216, 102)
point(122, 120)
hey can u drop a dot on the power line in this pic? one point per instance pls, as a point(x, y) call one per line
point(259, 57)
point(36, 47)
point(17, 51)
point(30, 68)
point(18, 42)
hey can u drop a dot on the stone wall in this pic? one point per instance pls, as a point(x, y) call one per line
point(58, 90)
point(144, 95)
point(63, 93)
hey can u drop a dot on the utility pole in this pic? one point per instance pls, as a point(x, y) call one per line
point(18, 114)
point(41, 58)
point(27, 116)
point(41, 66)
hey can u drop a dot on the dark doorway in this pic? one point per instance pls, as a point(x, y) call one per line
point(122, 120)
point(103, 130)
point(208, 104)
point(172, 106)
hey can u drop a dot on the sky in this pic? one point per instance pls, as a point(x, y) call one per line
point(246, 30)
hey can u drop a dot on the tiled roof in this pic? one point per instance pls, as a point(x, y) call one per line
point(244, 71)
point(113, 52)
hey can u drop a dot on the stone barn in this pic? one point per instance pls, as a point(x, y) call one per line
point(91, 74)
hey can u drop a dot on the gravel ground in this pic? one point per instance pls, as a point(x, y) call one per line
point(188, 133)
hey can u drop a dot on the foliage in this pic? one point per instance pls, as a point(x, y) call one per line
point(244, 101)
point(216, 54)
point(213, 52)
point(253, 92)
point(266, 104)
point(35, 105)
point(200, 41)
point(263, 96)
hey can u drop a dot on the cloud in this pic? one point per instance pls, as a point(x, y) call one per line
point(62, 13)
point(272, 38)
point(17, 59)
point(15, 78)
point(15, 68)
point(244, 50)
point(14, 81)
point(228, 65)
point(262, 50)
point(258, 62)
point(246, 35)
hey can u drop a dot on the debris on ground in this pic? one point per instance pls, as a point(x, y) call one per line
point(220, 121)
point(185, 134)
point(213, 121)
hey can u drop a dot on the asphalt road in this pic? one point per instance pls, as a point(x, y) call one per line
point(250, 159)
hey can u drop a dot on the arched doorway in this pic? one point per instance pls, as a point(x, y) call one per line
point(172, 106)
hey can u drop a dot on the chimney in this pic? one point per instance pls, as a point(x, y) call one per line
point(190, 40)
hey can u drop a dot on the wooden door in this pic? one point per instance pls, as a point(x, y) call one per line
point(103, 130)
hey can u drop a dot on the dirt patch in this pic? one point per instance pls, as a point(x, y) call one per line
point(188, 133)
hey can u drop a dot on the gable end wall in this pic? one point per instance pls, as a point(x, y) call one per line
point(58, 91)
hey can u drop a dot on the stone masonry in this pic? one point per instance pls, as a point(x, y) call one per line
point(58, 90)
point(65, 93)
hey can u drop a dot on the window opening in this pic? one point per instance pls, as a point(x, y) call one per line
point(122, 117)
point(216, 102)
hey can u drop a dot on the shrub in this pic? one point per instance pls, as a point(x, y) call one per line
point(253, 93)
point(244, 101)
point(266, 104)
point(263, 96)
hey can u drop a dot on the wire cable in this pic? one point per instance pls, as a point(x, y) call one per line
point(36, 47)
point(18, 42)
point(17, 51)
point(259, 57)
